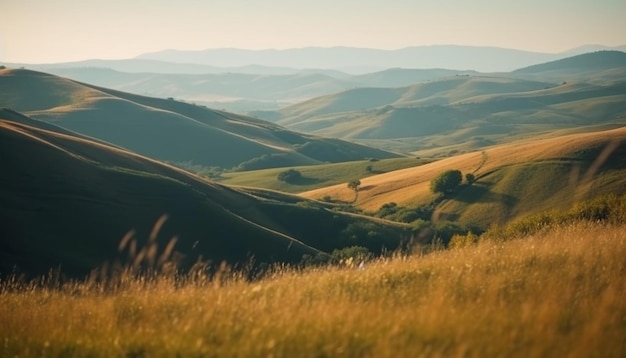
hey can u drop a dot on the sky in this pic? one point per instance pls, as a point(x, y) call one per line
point(46, 31)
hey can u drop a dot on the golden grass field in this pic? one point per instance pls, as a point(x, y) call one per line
point(558, 293)
point(411, 186)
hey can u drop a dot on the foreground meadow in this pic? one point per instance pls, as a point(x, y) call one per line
point(558, 293)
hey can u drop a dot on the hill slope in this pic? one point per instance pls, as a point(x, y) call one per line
point(465, 112)
point(67, 201)
point(443, 91)
point(591, 67)
point(167, 129)
point(241, 89)
point(512, 180)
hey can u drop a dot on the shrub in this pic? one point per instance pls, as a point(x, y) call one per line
point(352, 253)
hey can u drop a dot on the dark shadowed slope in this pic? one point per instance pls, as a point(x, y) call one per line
point(167, 129)
point(67, 201)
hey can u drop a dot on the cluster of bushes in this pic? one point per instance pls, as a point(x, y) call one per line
point(349, 256)
point(610, 209)
point(391, 211)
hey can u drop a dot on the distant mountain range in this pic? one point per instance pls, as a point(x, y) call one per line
point(359, 60)
point(243, 81)
point(330, 60)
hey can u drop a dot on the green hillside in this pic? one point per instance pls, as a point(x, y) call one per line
point(438, 92)
point(477, 121)
point(316, 176)
point(510, 192)
point(466, 112)
point(243, 89)
point(67, 201)
point(166, 129)
point(511, 180)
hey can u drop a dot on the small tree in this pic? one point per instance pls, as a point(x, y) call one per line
point(289, 176)
point(354, 185)
point(446, 182)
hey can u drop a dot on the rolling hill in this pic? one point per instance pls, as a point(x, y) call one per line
point(462, 113)
point(67, 201)
point(246, 89)
point(590, 67)
point(316, 176)
point(439, 92)
point(253, 88)
point(166, 129)
point(513, 180)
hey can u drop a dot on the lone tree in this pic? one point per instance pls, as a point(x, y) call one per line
point(289, 176)
point(354, 185)
point(446, 182)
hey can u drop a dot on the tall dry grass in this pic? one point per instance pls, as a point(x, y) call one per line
point(558, 293)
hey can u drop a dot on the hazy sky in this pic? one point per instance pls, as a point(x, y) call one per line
point(39, 31)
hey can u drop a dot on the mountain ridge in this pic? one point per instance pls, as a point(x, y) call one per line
point(456, 57)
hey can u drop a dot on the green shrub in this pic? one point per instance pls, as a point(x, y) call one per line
point(609, 209)
point(355, 253)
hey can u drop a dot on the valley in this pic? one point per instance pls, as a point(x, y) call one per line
point(239, 188)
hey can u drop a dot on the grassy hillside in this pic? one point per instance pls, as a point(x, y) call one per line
point(475, 122)
point(315, 176)
point(464, 113)
point(558, 293)
point(439, 92)
point(167, 129)
point(249, 88)
point(512, 180)
point(599, 66)
point(67, 201)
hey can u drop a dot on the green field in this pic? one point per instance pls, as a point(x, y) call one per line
point(317, 176)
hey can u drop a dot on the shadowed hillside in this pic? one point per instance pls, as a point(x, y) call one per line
point(167, 129)
point(67, 201)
